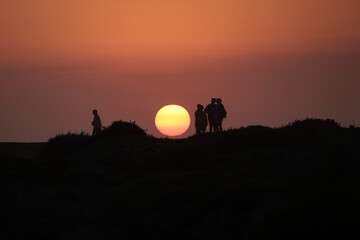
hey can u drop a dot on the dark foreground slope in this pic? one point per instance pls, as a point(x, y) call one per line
point(297, 182)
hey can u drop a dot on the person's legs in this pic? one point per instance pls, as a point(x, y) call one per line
point(96, 130)
point(203, 130)
point(216, 125)
point(220, 125)
point(198, 131)
point(212, 125)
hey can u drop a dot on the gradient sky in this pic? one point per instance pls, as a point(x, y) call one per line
point(270, 61)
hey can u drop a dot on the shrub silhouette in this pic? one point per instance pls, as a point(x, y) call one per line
point(120, 128)
point(313, 123)
point(65, 144)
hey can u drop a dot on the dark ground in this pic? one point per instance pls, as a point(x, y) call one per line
point(296, 182)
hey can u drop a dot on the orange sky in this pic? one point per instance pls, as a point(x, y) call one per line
point(81, 31)
point(271, 61)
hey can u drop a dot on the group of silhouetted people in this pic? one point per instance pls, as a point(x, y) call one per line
point(214, 113)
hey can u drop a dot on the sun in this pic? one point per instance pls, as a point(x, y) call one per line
point(172, 120)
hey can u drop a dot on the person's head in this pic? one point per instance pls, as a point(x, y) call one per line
point(95, 112)
point(218, 100)
point(200, 107)
point(213, 100)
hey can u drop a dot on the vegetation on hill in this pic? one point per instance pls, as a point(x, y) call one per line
point(299, 131)
point(314, 123)
point(299, 181)
point(64, 144)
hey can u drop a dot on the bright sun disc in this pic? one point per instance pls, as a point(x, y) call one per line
point(172, 120)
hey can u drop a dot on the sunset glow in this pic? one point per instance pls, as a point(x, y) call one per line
point(172, 120)
point(270, 61)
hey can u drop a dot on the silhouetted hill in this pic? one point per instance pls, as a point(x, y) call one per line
point(299, 181)
point(64, 144)
point(21, 150)
point(130, 135)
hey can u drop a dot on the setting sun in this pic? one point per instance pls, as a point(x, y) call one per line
point(172, 120)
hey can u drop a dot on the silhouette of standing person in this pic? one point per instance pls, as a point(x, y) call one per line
point(96, 123)
point(200, 119)
point(212, 112)
point(221, 113)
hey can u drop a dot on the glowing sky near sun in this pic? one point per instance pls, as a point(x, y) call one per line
point(270, 61)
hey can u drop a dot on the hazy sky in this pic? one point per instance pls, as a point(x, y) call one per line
point(270, 61)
